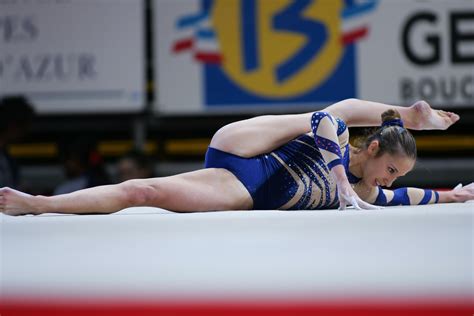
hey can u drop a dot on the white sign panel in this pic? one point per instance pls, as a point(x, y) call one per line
point(284, 55)
point(73, 56)
point(419, 50)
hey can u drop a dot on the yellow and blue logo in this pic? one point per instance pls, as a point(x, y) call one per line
point(275, 51)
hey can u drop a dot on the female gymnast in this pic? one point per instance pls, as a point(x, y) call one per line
point(299, 161)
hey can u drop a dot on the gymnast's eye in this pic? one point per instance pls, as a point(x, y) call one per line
point(391, 170)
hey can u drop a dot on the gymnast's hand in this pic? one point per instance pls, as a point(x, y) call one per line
point(346, 194)
point(463, 193)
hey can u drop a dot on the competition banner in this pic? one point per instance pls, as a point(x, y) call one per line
point(419, 50)
point(73, 56)
point(283, 55)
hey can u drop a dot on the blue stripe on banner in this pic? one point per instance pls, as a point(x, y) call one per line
point(206, 34)
point(356, 10)
point(190, 20)
point(249, 34)
point(426, 197)
point(292, 20)
point(206, 5)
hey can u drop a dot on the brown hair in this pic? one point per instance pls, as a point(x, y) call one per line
point(393, 138)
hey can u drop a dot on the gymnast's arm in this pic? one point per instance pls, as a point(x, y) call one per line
point(328, 133)
point(416, 196)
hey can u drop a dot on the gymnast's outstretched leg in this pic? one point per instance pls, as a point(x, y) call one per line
point(263, 134)
point(418, 116)
point(201, 190)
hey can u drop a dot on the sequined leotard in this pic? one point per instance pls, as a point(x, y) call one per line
point(297, 176)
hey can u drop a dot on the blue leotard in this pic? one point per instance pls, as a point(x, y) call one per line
point(297, 176)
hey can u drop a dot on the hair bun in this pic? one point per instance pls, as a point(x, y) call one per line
point(391, 118)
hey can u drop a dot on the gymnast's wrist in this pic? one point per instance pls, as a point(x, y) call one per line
point(448, 197)
point(339, 173)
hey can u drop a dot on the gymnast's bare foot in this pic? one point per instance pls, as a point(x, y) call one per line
point(13, 202)
point(427, 118)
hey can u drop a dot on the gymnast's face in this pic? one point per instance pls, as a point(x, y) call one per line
point(385, 169)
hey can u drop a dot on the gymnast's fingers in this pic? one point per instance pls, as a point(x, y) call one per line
point(345, 200)
point(342, 205)
point(367, 206)
point(354, 203)
point(470, 186)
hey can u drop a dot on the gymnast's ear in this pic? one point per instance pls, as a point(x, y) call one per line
point(373, 148)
